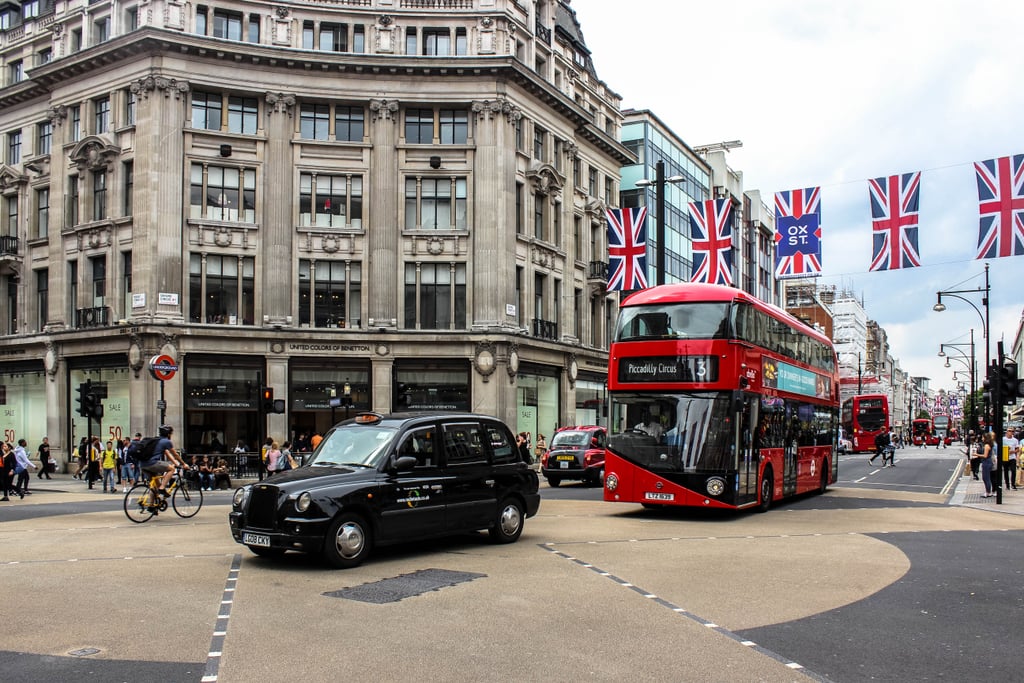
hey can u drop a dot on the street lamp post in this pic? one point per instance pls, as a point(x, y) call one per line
point(971, 370)
point(659, 201)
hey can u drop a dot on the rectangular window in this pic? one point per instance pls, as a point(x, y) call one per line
point(129, 108)
point(333, 37)
point(358, 38)
point(440, 204)
point(30, 9)
point(435, 296)
point(419, 126)
point(592, 182)
point(222, 292)
point(72, 200)
point(227, 25)
point(539, 215)
point(461, 43)
point(42, 297)
point(131, 19)
point(223, 193)
point(72, 288)
point(98, 265)
point(75, 122)
point(410, 41)
point(315, 121)
point(126, 283)
point(206, 110)
point(44, 56)
point(307, 35)
point(348, 123)
point(254, 28)
point(102, 119)
point(12, 215)
point(331, 200)
point(519, 134)
point(609, 191)
point(539, 135)
point(519, 208)
point(99, 195)
point(12, 304)
point(129, 188)
point(76, 39)
point(454, 126)
point(577, 236)
point(243, 115)
point(101, 30)
point(14, 147)
point(329, 294)
point(437, 42)
point(201, 20)
point(43, 212)
point(15, 72)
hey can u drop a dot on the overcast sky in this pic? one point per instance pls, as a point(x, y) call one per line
point(832, 94)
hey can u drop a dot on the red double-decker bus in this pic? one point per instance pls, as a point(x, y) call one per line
point(717, 400)
point(863, 417)
point(923, 432)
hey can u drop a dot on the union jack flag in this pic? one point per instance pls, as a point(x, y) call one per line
point(894, 221)
point(627, 249)
point(1001, 206)
point(798, 233)
point(711, 232)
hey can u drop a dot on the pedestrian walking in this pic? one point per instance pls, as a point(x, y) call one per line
point(985, 449)
point(1011, 447)
point(22, 468)
point(881, 441)
point(44, 458)
point(8, 465)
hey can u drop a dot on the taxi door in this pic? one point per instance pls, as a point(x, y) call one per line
point(471, 498)
point(413, 502)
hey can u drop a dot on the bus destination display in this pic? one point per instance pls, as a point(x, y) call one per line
point(669, 369)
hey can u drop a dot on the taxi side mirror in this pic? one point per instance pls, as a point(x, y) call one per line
point(403, 463)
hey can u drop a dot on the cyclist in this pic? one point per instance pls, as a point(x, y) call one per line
point(157, 466)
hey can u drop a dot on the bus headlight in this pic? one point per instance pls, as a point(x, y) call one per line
point(302, 504)
point(611, 482)
point(715, 486)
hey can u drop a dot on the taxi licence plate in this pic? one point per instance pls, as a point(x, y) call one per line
point(260, 540)
point(650, 495)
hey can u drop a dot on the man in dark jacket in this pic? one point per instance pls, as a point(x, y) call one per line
point(881, 441)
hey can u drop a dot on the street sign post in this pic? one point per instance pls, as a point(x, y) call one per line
point(162, 368)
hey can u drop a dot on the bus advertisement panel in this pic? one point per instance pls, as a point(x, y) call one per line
point(863, 418)
point(717, 400)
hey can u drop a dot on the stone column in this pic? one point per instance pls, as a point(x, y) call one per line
point(158, 226)
point(383, 233)
point(277, 226)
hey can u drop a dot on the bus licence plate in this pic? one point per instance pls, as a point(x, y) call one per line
point(261, 540)
point(650, 495)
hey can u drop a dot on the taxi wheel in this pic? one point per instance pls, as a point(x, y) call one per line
point(553, 482)
point(348, 541)
point(508, 524)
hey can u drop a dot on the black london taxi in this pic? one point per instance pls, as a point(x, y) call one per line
point(382, 479)
point(575, 453)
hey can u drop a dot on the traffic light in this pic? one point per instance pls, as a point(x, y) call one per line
point(91, 406)
point(270, 405)
point(1008, 383)
point(83, 391)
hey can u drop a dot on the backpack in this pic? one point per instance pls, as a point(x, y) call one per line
point(142, 450)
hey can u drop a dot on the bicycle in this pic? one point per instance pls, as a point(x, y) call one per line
point(144, 500)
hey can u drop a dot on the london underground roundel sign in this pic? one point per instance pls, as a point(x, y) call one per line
point(162, 367)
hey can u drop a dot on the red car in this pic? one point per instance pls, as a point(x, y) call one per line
point(575, 453)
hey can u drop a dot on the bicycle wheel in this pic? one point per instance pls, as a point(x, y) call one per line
point(138, 503)
point(187, 499)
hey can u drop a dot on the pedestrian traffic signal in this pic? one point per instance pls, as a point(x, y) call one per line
point(1009, 385)
point(269, 404)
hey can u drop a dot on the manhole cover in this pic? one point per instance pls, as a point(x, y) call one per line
point(84, 652)
point(404, 586)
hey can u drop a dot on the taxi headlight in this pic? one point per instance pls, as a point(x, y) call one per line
point(239, 496)
point(611, 482)
point(303, 502)
point(715, 486)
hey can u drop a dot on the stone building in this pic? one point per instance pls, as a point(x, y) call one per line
point(403, 199)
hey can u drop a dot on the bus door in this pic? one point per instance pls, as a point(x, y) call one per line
point(789, 453)
point(747, 448)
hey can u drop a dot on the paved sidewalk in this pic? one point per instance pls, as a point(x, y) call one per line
point(970, 491)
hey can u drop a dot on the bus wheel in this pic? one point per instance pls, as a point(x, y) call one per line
point(767, 491)
point(824, 477)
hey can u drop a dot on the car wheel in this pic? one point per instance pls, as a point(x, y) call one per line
point(554, 482)
point(596, 478)
point(266, 552)
point(767, 491)
point(348, 541)
point(508, 524)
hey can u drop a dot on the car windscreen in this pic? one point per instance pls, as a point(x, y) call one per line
point(574, 438)
point(354, 444)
